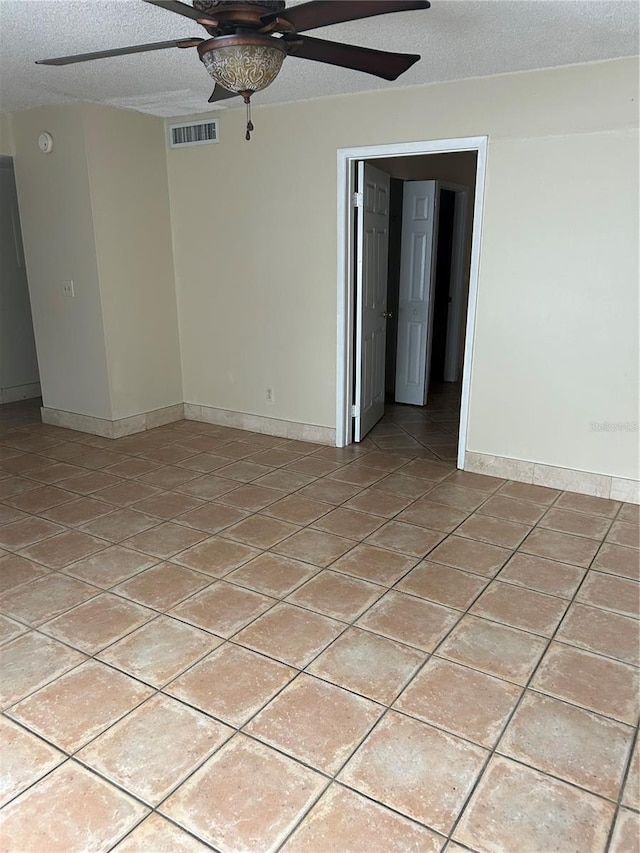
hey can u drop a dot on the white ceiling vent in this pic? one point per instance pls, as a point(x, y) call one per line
point(193, 133)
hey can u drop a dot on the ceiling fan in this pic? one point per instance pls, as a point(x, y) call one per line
point(249, 39)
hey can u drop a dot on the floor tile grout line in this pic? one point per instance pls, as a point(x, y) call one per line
point(116, 594)
point(322, 568)
point(304, 669)
point(332, 778)
point(527, 686)
point(71, 758)
point(521, 585)
point(200, 762)
point(494, 749)
point(33, 691)
point(65, 571)
point(326, 475)
point(537, 691)
point(277, 660)
point(433, 652)
point(112, 846)
point(71, 529)
point(519, 701)
point(340, 784)
point(404, 685)
point(219, 649)
point(36, 625)
point(89, 658)
point(236, 734)
point(232, 637)
point(187, 597)
point(344, 625)
point(622, 790)
point(612, 801)
point(139, 677)
point(109, 590)
point(389, 708)
point(93, 656)
point(66, 758)
point(507, 582)
point(73, 755)
point(331, 775)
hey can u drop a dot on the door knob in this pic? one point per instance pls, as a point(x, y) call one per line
point(387, 315)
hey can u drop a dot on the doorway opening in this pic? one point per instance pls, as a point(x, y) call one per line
point(423, 365)
point(19, 374)
point(452, 171)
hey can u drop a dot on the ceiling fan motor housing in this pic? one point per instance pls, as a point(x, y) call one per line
point(211, 7)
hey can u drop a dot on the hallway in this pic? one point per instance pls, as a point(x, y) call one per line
point(432, 428)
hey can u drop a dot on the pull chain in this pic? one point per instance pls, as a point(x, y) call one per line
point(249, 122)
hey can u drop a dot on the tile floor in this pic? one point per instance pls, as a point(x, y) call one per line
point(216, 640)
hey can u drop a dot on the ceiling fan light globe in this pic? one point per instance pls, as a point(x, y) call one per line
point(242, 63)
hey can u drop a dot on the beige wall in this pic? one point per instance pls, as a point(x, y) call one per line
point(255, 270)
point(557, 341)
point(254, 238)
point(555, 347)
point(96, 211)
point(130, 203)
point(59, 245)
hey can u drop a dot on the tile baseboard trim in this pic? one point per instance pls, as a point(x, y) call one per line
point(567, 479)
point(206, 414)
point(258, 423)
point(116, 428)
point(20, 392)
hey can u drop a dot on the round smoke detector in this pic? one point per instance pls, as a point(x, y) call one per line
point(45, 142)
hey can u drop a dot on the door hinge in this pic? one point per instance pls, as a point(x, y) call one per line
point(358, 199)
point(355, 411)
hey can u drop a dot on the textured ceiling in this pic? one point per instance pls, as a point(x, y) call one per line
point(456, 38)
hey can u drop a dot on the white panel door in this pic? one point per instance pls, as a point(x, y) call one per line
point(417, 273)
point(371, 297)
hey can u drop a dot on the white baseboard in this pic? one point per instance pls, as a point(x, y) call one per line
point(113, 429)
point(20, 392)
point(569, 479)
point(258, 423)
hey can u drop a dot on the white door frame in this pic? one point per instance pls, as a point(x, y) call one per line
point(347, 159)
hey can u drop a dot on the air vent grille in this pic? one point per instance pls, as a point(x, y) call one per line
point(193, 133)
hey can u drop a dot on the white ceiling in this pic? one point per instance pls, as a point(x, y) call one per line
point(456, 38)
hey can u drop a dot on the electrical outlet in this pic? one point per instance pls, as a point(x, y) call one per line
point(269, 395)
point(67, 288)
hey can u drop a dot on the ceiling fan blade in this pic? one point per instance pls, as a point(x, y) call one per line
point(221, 94)
point(321, 13)
point(178, 8)
point(381, 63)
point(119, 51)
